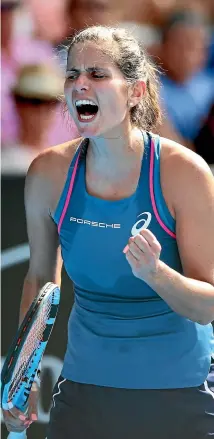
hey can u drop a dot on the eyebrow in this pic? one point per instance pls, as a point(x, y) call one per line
point(88, 69)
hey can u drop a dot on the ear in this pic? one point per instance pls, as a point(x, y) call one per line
point(136, 93)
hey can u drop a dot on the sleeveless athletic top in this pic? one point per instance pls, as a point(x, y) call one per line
point(120, 332)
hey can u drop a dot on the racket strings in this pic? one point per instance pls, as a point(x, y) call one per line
point(32, 343)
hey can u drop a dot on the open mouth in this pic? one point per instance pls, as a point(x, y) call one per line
point(86, 110)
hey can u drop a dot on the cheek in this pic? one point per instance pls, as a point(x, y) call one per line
point(120, 90)
point(114, 99)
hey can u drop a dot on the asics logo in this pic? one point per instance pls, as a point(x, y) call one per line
point(142, 223)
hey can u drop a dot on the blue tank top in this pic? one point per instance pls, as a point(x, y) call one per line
point(120, 332)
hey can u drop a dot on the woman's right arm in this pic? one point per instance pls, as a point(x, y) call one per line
point(45, 256)
point(45, 261)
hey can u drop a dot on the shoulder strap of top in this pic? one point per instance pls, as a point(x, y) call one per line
point(63, 203)
point(159, 205)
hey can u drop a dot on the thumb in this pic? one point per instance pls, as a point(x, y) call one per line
point(33, 402)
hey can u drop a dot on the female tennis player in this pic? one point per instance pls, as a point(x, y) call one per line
point(132, 215)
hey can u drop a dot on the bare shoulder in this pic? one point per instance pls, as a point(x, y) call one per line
point(47, 174)
point(175, 154)
point(51, 159)
point(184, 174)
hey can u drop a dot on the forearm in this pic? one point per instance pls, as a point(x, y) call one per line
point(188, 297)
point(37, 276)
point(31, 288)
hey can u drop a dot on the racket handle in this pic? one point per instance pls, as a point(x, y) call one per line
point(13, 435)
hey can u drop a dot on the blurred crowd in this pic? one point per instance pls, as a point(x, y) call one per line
point(178, 35)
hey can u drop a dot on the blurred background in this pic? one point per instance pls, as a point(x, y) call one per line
point(179, 37)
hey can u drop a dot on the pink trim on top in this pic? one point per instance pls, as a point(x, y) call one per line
point(69, 193)
point(151, 186)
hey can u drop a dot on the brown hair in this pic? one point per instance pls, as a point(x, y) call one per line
point(131, 59)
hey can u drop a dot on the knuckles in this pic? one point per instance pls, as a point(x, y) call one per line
point(154, 246)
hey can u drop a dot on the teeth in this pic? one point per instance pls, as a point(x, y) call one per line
point(82, 116)
point(84, 102)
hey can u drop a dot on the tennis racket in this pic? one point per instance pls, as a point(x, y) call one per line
point(27, 349)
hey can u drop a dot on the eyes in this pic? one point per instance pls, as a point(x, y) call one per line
point(93, 74)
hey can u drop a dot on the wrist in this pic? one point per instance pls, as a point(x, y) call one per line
point(154, 278)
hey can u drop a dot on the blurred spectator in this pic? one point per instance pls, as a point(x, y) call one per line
point(83, 13)
point(49, 19)
point(188, 88)
point(209, 4)
point(142, 18)
point(147, 12)
point(210, 63)
point(16, 51)
point(204, 142)
point(35, 94)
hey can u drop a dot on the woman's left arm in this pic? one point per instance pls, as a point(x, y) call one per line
point(190, 294)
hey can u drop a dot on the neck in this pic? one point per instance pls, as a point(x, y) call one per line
point(32, 138)
point(116, 149)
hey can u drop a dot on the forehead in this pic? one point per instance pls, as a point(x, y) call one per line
point(88, 54)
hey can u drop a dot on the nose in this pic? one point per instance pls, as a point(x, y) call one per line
point(82, 83)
